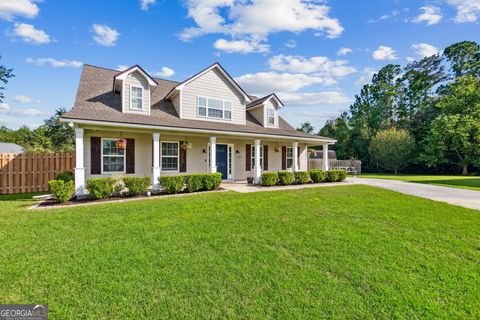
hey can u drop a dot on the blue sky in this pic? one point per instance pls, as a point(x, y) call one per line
point(314, 54)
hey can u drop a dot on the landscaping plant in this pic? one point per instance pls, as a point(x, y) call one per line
point(65, 176)
point(212, 181)
point(100, 188)
point(172, 184)
point(117, 183)
point(301, 177)
point(317, 175)
point(269, 179)
point(62, 190)
point(194, 182)
point(136, 185)
point(285, 177)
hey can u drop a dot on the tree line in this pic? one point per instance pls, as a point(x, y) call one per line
point(422, 117)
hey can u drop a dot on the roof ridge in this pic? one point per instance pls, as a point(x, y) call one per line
point(118, 71)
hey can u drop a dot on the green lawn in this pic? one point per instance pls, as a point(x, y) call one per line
point(337, 252)
point(464, 182)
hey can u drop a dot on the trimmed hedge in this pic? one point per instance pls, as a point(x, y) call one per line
point(172, 184)
point(136, 185)
point(301, 177)
point(100, 188)
point(269, 179)
point(194, 182)
point(336, 175)
point(342, 175)
point(285, 177)
point(317, 175)
point(62, 190)
point(212, 181)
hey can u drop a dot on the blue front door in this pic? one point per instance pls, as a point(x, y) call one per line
point(222, 160)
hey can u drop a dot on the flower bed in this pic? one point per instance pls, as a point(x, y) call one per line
point(283, 178)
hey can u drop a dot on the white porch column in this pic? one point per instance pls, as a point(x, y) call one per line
point(258, 169)
point(295, 156)
point(79, 163)
point(213, 154)
point(156, 161)
point(325, 157)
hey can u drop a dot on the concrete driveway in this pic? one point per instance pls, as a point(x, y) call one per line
point(456, 196)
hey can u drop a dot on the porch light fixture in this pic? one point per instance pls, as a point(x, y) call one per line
point(237, 152)
point(204, 151)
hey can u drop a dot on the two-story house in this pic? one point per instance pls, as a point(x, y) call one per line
point(131, 123)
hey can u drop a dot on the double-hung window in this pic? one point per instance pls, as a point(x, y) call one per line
point(271, 116)
point(253, 157)
point(214, 108)
point(170, 153)
point(113, 156)
point(137, 98)
point(289, 158)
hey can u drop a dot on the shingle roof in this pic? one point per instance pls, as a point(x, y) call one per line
point(96, 101)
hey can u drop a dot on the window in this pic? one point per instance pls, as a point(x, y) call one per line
point(137, 98)
point(289, 158)
point(271, 116)
point(113, 157)
point(253, 157)
point(214, 108)
point(170, 152)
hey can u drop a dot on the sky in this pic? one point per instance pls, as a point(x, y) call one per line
point(314, 54)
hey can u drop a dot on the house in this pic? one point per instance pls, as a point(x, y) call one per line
point(131, 123)
point(11, 148)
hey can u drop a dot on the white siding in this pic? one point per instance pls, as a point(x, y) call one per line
point(138, 80)
point(268, 104)
point(212, 85)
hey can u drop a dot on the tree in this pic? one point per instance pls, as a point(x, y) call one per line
point(464, 58)
point(5, 74)
point(60, 133)
point(306, 127)
point(339, 129)
point(391, 149)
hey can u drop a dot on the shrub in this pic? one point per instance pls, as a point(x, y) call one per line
point(301, 177)
point(285, 177)
point(194, 182)
point(212, 181)
point(62, 190)
point(172, 184)
point(269, 179)
point(136, 185)
point(100, 188)
point(317, 175)
point(342, 175)
point(117, 183)
point(333, 175)
point(65, 176)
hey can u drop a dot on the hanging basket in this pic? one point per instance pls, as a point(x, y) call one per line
point(312, 152)
point(276, 149)
point(186, 146)
point(121, 143)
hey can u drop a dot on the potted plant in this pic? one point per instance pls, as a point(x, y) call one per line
point(250, 180)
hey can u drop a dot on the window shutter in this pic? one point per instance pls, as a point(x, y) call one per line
point(183, 158)
point(265, 157)
point(284, 158)
point(130, 155)
point(298, 157)
point(95, 155)
point(248, 157)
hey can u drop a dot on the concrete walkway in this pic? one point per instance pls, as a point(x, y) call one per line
point(460, 197)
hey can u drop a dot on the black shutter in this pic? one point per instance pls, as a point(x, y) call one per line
point(130, 155)
point(248, 157)
point(284, 158)
point(265, 157)
point(183, 158)
point(95, 155)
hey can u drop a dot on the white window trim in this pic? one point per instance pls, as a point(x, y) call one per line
point(101, 158)
point(274, 116)
point(207, 107)
point(178, 156)
point(252, 159)
point(131, 98)
point(287, 157)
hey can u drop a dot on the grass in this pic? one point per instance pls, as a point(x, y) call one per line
point(464, 182)
point(312, 253)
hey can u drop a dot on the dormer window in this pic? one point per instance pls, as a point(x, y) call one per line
point(137, 98)
point(214, 108)
point(271, 116)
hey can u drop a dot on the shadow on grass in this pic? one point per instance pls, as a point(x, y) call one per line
point(20, 196)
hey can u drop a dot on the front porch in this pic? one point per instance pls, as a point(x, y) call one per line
point(104, 151)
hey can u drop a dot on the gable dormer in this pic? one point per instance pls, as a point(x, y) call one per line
point(134, 86)
point(265, 110)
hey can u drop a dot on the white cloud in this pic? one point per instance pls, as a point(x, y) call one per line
point(366, 77)
point(344, 51)
point(121, 67)
point(104, 35)
point(166, 72)
point(319, 65)
point(240, 46)
point(384, 53)
point(257, 19)
point(29, 34)
point(387, 16)
point(467, 10)
point(313, 98)
point(430, 15)
point(424, 50)
point(144, 4)
point(55, 63)
point(291, 44)
point(22, 99)
point(4, 107)
point(268, 82)
point(11, 8)
point(29, 112)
